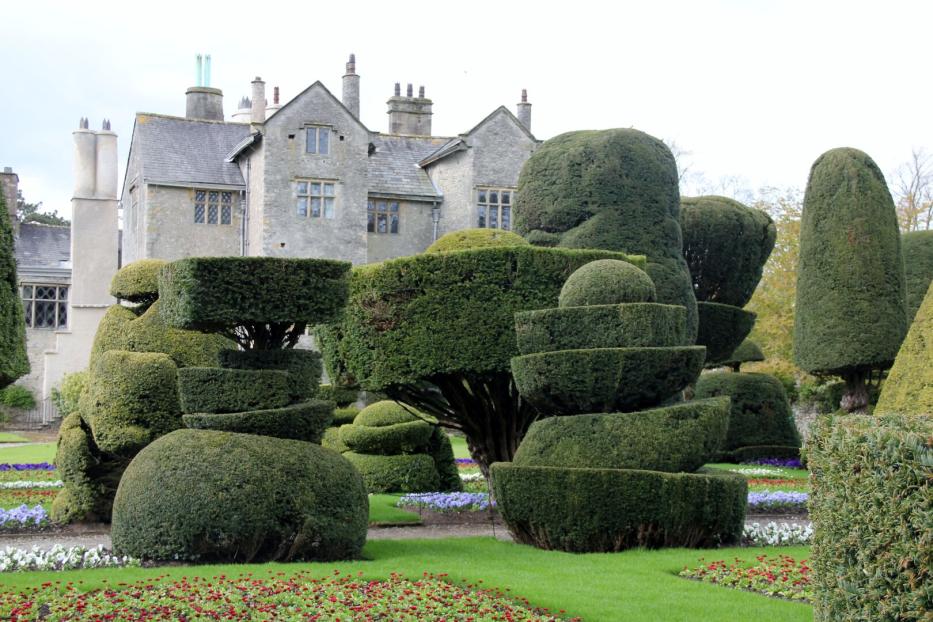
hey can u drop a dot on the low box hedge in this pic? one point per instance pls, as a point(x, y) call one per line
point(305, 421)
point(216, 390)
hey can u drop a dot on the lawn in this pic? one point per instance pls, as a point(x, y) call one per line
point(40, 452)
point(632, 586)
point(459, 445)
point(6, 437)
point(382, 511)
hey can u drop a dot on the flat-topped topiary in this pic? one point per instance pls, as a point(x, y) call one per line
point(304, 421)
point(475, 238)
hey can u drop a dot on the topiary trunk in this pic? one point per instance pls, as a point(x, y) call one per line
point(855, 397)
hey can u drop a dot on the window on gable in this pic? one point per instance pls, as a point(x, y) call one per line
point(382, 216)
point(494, 208)
point(45, 306)
point(315, 198)
point(213, 207)
point(317, 139)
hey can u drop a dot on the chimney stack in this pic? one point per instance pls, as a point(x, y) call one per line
point(258, 115)
point(270, 110)
point(351, 88)
point(202, 101)
point(524, 110)
point(410, 115)
point(243, 112)
point(9, 185)
point(95, 163)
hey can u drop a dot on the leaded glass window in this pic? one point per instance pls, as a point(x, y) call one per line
point(317, 139)
point(382, 216)
point(316, 199)
point(45, 306)
point(494, 208)
point(213, 207)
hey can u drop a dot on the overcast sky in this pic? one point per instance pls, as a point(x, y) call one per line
point(751, 89)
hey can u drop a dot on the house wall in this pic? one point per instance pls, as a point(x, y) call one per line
point(133, 219)
point(454, 176)
point(500, 150)
point(170, 230)
point(415, 231)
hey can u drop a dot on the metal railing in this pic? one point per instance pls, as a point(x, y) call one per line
point(44, 415)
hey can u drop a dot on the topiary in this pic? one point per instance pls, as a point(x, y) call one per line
point(747, 352)
point(216, 390)
point(398, 473)
point(304, 421)
point(475, 238)
point(303, 366)
point(722, 329)
point(909, 387)
point(14, 362)
point(611, 189)
point(606, 282)
point(138, 281)
point(917, 247)
point(204, 495)
point(850, 315)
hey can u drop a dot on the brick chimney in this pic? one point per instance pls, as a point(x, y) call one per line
point(410, 115)
point(10, 185)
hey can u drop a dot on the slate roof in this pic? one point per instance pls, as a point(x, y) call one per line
point(42, 246)
point(393, 167)
point(188, 151)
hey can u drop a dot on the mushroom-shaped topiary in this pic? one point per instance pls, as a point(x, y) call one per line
point(138, 282)
point(607, 282)
point(747, 352)
point(475, 238)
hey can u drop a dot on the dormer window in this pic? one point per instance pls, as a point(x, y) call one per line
point(317, 139)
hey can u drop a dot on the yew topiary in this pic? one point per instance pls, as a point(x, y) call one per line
point(13, 360)
point(606, 282)
point(917, 247)
point(851, 314)
point(909, 387)
point(475, 238)
point(138, 281)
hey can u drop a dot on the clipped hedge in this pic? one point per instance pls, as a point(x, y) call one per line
point(211, 496)
point(674, 438)
point(331, 440)
point(385, 413)
point(606, 282)
point(217, 293)
point(304, 366)
point(343, 416)
point(305, 421)
point(850, 314)
point(69, 395)
point(74, 462)
point(568, 382)
point(601, 326)
point(401, 438)
point(726, 245)
point(342, 396)
point(917, 247)
point(872, 508)
point(612, 509)
point(475, 238)
point(216, 390)
point(722, 329)
point(399, 473)
point(761, 413)
point(909, 387)
point(138, 281)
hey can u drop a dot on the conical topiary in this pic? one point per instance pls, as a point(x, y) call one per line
point(909, 387)
point(850, 314)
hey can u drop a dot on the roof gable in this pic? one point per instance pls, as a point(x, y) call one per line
point(42, 246)
point(316, 85)
point(508, 113)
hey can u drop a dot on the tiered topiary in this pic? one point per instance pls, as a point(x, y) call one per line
point(398, 450)
point(128, 398)
point(917, 247)
point(607, 482)
point(747, 352)
point(475, 238)
point(611, 189)
point(247, 481)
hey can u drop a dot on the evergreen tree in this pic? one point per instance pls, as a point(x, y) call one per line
point(13, 360)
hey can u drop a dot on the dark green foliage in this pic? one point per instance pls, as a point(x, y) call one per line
point(475, 238)
point(304, 366)
point(606, 282)
point(399, 473)
point(216, 390)
point(74, 461)
point(747, 352)
point(722, 329)
point(602, 326)
point(331, 440)
point(263, 303)
point(138, 281)
point(615, 190)
point(400, 438)
point(872, 508)
point(543, 238)
point(567, 382)
point(343, 416)
point(761, 414)
point(917, 247)
point(304, 421)
point(386, 412)
point(850, 315)
point(584, 510)
point(69, 395)
point(122, 329)
point(220, 496)
point(17, 396)
point(13, 360)
point(909, 387)
point(674, 438)
point(442, 452)
point(342, 396)
point(726, 245)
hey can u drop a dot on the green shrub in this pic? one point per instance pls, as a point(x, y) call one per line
point(568, 382)
point(726, 245)
point(131, 399)
point(872, 509)
point(343, 416)
point(399, 473)
point(138, 281)
point(442, 452)
point(606, 282)
point(342, 396)
point(74, 461)
point(14, 362)
point(604, 326)
point(584, 510)
point(755, 452)
point(747, 352)
point(475, 238)
point(674, 438)
point(909, 387)
point(917, 247)
point(850, 316)
point(17, 396)
point(304, 421)
point(761, 413)
point(216, 390)
point(401, 438)
point(385, 413)
point(331, 440)
point(722, 329)
point(543, 238)
point(615, 190)
point(304, 366)
point(220, 496)
point(69, 395)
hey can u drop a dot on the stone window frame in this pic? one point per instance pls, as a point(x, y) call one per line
point(383, 216)
point(52, 304)
point(494, 214)
point(322, 140)
point(213, 207)
point(325, 194)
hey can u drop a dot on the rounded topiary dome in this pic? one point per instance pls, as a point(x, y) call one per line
point(606, 282)
point(475, 238)
point(385, 413)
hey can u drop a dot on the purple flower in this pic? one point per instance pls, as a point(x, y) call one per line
point(22, 516)
point(790, 463)
point(466, 461)
point(41, 466)
point(447, 501)
point(777, 500)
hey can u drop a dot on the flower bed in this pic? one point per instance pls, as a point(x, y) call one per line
point(447, 501)
point(775, 534)
point(61, 558)
point(780, 576)
point(757, 472)
point(299, 597)
point(23, 517)
point(758, 484)
point(24, 484)
point(777, 501)
point(30, 496)
point(32, 466)
point(789, 463)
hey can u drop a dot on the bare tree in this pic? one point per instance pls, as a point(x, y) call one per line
point(913, 192)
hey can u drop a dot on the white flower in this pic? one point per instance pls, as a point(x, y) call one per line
point(17, 484)
point(773, 534)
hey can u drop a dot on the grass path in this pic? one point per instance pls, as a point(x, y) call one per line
point(39, 452)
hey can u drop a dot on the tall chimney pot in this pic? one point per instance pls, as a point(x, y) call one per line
point(351, 88)
point(258, 101)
